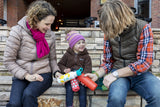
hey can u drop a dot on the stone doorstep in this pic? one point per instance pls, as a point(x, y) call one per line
point(55, 89)
point(56, 93)
point(132, 101)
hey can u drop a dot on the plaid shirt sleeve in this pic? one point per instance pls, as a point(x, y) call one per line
point(144, 52)
point(107, 56)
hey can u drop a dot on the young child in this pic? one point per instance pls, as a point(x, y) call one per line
point(75, 57)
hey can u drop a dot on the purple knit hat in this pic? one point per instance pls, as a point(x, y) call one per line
point(73, 37)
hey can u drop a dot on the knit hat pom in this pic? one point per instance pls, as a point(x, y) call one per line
point(73, 37)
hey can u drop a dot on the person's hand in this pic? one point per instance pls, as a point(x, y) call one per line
point(92, 76)
point(67, 70)
point(58, 74)
point(108, 80)
point(33, 77)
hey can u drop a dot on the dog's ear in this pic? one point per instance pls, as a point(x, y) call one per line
point(40, 102)
point(45, 103)
point(58, 102)
point(49, 102)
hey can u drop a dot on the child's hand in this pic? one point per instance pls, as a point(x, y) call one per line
point(58, 74)
point(67, 70)
point(92, 76)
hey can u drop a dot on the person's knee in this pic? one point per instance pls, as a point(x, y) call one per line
point(157, 99)
point(154, 99)
point(68, 87)
point(116, 100)
point(28, 93)
point(14, 104)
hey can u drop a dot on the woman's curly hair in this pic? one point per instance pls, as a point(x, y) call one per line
point(39, 10)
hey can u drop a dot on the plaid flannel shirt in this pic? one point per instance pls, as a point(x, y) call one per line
point(144, 53)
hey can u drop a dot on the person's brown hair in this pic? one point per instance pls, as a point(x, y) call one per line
point(39, 10)
point(115, 16)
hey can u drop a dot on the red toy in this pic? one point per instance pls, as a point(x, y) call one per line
point(87, 82)
point(75, 85)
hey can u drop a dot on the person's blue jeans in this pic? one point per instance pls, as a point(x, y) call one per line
point(69, 95)
point(146, 85)
point(24, 93)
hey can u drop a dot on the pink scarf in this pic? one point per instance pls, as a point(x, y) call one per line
point(41, 43)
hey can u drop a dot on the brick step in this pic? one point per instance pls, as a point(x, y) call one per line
point(1, 54)
point(1, 58)
point(2, 67)
point(2, 47)
point(6, 81)
point(3, 70)
point(3, 43)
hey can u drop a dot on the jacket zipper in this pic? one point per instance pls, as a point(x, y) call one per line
point(119, 41)
point(32, 62)
point(31, 67)
point(77, 59)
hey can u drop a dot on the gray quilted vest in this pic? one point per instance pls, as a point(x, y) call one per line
point(124, 47)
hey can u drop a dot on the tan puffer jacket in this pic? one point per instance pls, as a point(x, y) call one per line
point(20, 55)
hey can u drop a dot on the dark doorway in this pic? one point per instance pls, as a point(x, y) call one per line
point(71, 13)
point(143, 8)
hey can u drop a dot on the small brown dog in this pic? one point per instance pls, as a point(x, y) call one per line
point(49, 102)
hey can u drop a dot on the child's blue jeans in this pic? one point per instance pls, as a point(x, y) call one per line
point(69, 95)
point(24, 93)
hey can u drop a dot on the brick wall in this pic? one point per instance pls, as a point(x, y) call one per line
point(21, 8)
point(1, 9)
point(155, 13)
point(130, 3)
point(12, 15)
point(15, 11)
point(95, 5)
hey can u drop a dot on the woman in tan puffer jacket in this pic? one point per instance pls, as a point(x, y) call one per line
point(30, 55)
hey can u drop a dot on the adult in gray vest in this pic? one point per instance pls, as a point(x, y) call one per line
point(128, 55)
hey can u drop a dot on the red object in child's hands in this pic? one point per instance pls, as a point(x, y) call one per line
point(75, 85)
point(87, 82)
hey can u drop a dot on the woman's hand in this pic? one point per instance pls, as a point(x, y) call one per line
point(33, 77)
point(108, 79)
point(92, 76)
